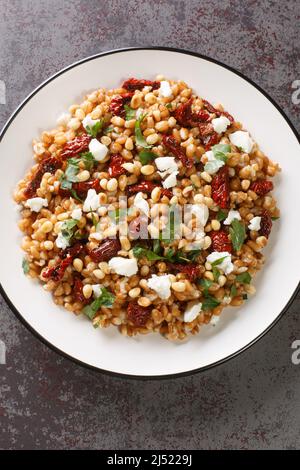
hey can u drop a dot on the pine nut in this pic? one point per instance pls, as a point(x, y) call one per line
point(87, 291)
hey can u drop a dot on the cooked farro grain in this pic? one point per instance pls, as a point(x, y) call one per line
point(166, 150)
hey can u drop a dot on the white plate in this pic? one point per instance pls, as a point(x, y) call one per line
point(151, 355)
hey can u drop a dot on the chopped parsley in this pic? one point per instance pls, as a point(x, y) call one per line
point(245, 278)
point(25, 266)
point(129, 112)
point(147, 156)
point(233, 291)
point(238, 234)
point(95, 129)
point(106, 299)
point(205, 284)
point(139, 138)
point(210, 302)
point(141, 252)
point(221, 215)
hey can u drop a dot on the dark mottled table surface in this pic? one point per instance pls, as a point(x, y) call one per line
point(253, 401)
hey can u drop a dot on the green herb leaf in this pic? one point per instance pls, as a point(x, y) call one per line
point(221, 215)
point(205, 283)
point(220, 151)
point(88, 160)
point(68, 229)
point(95, 129)
point(139, 138)
point(245, 278)
point(108, 129)
point(72, 170)
point(193, 255)
point(75, 195)
point(25, 266)
point(233, 291)
point(209, 303)
point(170, 255)
point(130, 113)
point(216, 273)
point(94, 219)
point(141, 252)
point(106, 299)
point(275, 218)
point(156, 247)
point(147, 156)
point(238, 234)
point(218, 261)
point(169, 105)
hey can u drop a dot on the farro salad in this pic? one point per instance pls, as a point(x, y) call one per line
point(147, 208)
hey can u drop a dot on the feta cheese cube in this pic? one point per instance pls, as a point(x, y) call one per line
point(161, 285)
point(192, 311)
point(123, 266)
point(165, 89)
point(98, 150)
point(255, 224)
point(220, 124)
point(35, 204)
point(231, 216)
point(92, 202)
point(242, 140)
point(226, 265)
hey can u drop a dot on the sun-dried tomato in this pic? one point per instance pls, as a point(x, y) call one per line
point(138, 315)
point(115, 165)
point(210, 108)
point(107, 250)
point(78, 290)
point(191, 269)
point(265, 224)
point(220, 241)
point(208, 135)
point(57, 272)
point(262, 187)
point(132, 84)
point(81, 189)
point(116, 106)
point(174, 147)
point(147, 187)
point(50, 165)
point(76, 146)
point(220, 190)
point(185, 117)
point(211, 140)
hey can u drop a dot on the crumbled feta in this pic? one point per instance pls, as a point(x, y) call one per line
point(61, 241)
point(165, 89)
point(97, 290)
point(242, 140)
point(89, 122)
point(171, 180)
point(63, 119)
point(226, 265)
point(231, 216)
point(36, 203)
point(214, 319)
point(213, 164)
point(166, 165)
point(123, 266)
point(98, 150)
point(141, 204)
point(201, 212)
point(161, 285)
point(220, 124)
point(91, 202)
point(76, 213)
point(255, 224)
point(192, 311)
